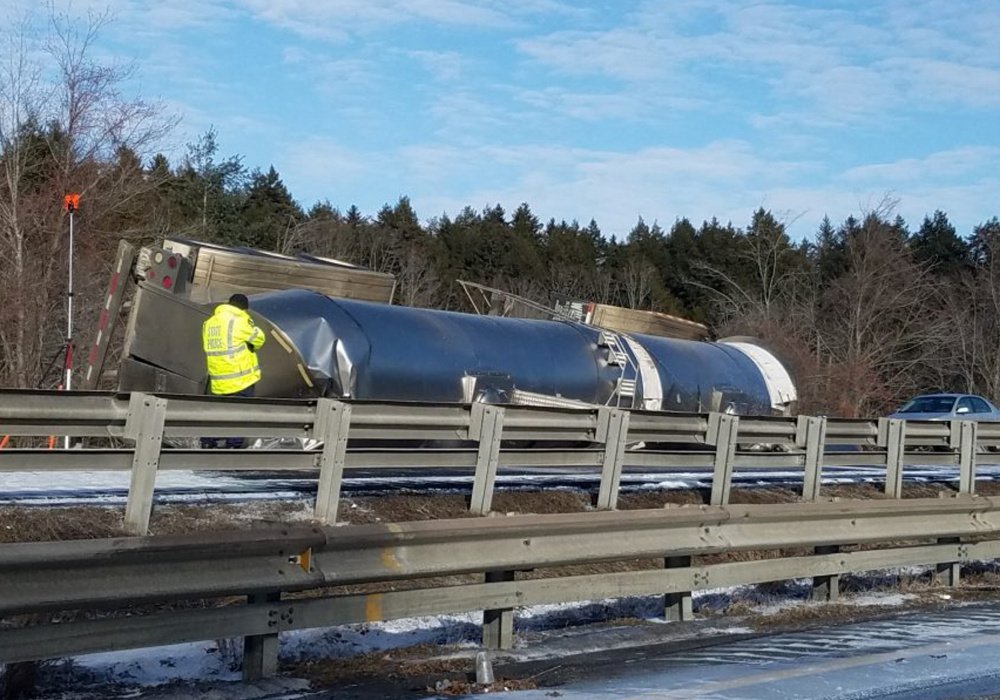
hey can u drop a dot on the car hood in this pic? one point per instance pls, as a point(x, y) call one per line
point(922, 416)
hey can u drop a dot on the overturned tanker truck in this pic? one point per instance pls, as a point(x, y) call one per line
point(333, 331)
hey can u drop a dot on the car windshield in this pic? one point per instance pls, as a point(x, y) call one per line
point(929, 404)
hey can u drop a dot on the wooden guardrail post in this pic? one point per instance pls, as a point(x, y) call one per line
point(826, 588)
point(260, 651)
point(811, 435)
point(486, 427)
point(892, 436)
point(498, 625)
point(144, 425)
point(612, 430)
point(678, 607)
point(964, 439)
point(722, 431)
point(333, 423)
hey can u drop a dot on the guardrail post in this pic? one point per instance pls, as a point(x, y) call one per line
point(964, 439)
point(260, 651)
point(722, 431)
point(811, 435)
point(949, 573)
point(144, 425)
point(486, 427)
point(498, 625)
point(826, 588)
point(612, 430)
point(677, 607)
point(892, 436)
point(333, 423)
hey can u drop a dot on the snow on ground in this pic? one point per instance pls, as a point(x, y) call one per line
point(56, 488)
point(220, 660)
point(53, 488)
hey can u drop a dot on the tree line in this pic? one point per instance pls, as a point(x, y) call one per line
point(867, 311)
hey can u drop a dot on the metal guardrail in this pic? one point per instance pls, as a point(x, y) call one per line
point(283, 576)
point(267, 581)
point(480, 437)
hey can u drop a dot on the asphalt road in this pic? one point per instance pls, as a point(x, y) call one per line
point(946, 655)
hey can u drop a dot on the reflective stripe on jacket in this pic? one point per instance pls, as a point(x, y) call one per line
point(227, 337)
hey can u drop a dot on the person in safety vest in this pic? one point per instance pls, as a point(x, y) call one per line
point(231, 341)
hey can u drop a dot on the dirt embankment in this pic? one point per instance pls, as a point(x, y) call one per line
point(37, 524)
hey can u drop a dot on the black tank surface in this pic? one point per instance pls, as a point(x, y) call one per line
point(691, 370)
point(378, 351)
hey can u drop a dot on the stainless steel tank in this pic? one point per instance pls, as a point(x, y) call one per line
point(689, 372)
point(363, 350)
point(376, 351)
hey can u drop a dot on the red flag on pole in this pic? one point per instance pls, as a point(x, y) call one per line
point(71, 202)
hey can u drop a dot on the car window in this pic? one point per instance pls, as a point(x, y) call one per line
point(966, 403)
point(929, 404)
point(979, 405)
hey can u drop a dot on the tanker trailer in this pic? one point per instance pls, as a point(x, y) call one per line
point(324, 346)
point(356, 349)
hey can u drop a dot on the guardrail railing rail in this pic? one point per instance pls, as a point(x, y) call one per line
point(289, 577)
point(346, 435)
point(292, 578)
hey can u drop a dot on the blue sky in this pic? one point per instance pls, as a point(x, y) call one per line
point(610, 109)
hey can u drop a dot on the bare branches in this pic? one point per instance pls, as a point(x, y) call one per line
point(76, 132)
point(772, 271)
point(636, 278)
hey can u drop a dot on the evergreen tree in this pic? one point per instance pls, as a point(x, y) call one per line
point(985, 243)
point(205, 196)
point(269, 214)
point(937, 245)
point(830, 252)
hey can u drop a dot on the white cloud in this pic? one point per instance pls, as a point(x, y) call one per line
point(940, 84)
point(320, 163)
point(841, 65)
point(446, 66)
point(952, 163)
point(727, 180)
point(624, 54)
point(340, 19)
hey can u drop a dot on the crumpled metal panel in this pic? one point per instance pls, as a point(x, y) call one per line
point(377, 351)
point(691, 370)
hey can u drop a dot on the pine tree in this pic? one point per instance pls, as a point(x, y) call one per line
point(269, 214)
point(937, 245)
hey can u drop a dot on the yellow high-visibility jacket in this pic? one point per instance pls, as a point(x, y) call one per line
point(227, 338)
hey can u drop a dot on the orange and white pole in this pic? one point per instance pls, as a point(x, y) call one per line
point(71, 203)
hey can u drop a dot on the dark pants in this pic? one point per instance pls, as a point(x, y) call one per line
point(231, 443)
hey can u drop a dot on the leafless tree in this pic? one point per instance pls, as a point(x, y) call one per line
point(73, 133)
point(969, 347)
point(775, 274)
point(636, 278)
point(416, 281)
point(880, 321)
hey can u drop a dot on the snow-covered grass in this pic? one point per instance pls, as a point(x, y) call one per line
point(220, 660)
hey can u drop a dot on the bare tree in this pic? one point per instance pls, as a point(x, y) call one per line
point(21, 99)
point(416, 279)
point(74, 133)
point(775, 273)
point(636, 278)
point(880, 322)
point(968, 348)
